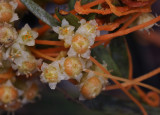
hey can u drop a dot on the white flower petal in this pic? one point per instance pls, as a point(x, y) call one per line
point(64, 22)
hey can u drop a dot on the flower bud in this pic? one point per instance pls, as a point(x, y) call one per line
point(91, 88)
point(7, 11)
point(80, 44)
point(8, 34)
point(72, 66)
point(8, 94)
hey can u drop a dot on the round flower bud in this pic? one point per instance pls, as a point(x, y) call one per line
point(25, 65)
point(72, 66)
point(51, 74)
point(6, 12)
point(91, 88)
point(80, 44)
point(8, 34)
point(8, 94)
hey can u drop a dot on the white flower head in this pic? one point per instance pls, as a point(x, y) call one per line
point(8, 34)
point(14, 52)
point(25, 65)
point(83, 39)
point(65, 32)
point(27, 36)
point(88, 30)
point(51, 74)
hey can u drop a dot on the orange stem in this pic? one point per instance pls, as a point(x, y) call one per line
point(52, 54)
point(43, 29)
point(42, 54)
point(119, 13)
point(123, 89)
point(122, 28)
point(148, 75)
point(134, 17)
point(53, 50)
point(46, 42)
point(127, 31)
point(94, 3)
point(7, 75)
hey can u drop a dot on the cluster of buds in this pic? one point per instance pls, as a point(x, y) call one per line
point(73, 64)
point(15, 55)
point(14, 95)
point(14, 45)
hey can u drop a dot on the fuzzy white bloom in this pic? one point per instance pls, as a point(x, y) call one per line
point(15, 51)
point(84, 38)
point(26, 65)
point(66, 32)
point(27, 36)
point(8, 34)
point(51, 74)
point(88, 30)
point(14, 6)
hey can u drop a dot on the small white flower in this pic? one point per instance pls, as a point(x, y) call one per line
point(88, 30)
point(14, 6)
point(27, 36)
point(26, 65)
point(8, 34)
point(51, 74)
point(15, 51)
point(65, 32)
point(84, 38)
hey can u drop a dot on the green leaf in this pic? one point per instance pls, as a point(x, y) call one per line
point(73, 20)
point(119, 55)
point(40, 13)
point(102, 55)
point(71, 4)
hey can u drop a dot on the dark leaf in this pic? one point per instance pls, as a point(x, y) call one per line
point(73, 20)
point(119, 55)
point(40, 13)
point(71, 4)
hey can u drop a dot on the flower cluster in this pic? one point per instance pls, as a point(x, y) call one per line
point(15, 55)
point(72, 65)
point(12, 97)
point(14, 45)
